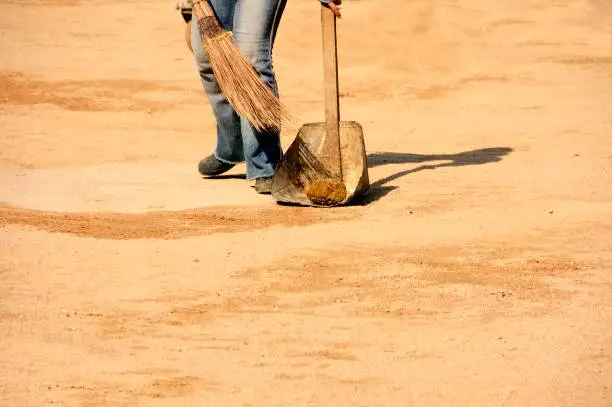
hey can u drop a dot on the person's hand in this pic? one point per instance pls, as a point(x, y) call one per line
point(334, 6)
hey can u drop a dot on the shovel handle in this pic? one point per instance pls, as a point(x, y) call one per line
point(332, 105)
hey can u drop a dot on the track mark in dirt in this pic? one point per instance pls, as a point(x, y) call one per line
point(90, 95)
point(586, 60)
point(134, 390)
point(396, 282)
point(325, 354)
point(175, 386)
point(441, 91)
point(434, 92)
point(476, 283)
point(170, 225)
point(286, 376)
point(540, 43)
point(510, 21)
point(483, 79)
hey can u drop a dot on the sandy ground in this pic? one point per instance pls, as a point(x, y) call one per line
point(476, 272)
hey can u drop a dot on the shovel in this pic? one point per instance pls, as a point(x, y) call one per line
point(326, 164)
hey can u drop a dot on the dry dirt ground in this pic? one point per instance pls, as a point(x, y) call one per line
point(477, 272)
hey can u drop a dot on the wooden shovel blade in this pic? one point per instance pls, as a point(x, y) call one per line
point(305, 163)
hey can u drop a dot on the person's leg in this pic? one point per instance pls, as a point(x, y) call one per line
point(254, 30)
point(229, 147)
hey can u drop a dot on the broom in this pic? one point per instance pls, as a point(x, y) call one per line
point(239, 82)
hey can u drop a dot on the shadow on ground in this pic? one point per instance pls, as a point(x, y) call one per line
point(475, 157)
point(225, 176)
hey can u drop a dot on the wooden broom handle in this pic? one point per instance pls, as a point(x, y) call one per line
point(332, 104)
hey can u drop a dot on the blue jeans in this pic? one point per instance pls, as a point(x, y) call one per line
point(254, 24)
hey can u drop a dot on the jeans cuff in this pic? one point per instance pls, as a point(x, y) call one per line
point(251, 177)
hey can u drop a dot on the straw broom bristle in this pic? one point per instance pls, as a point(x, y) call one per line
point(240, 83)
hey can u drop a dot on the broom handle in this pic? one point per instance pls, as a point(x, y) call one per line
point(332, 105)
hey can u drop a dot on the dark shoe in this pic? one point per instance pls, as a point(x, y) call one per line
point(210, 166)
point(263, 185)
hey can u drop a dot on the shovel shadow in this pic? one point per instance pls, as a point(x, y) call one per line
point(378, 189)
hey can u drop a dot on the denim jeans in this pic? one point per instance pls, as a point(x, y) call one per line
point(253, 24)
